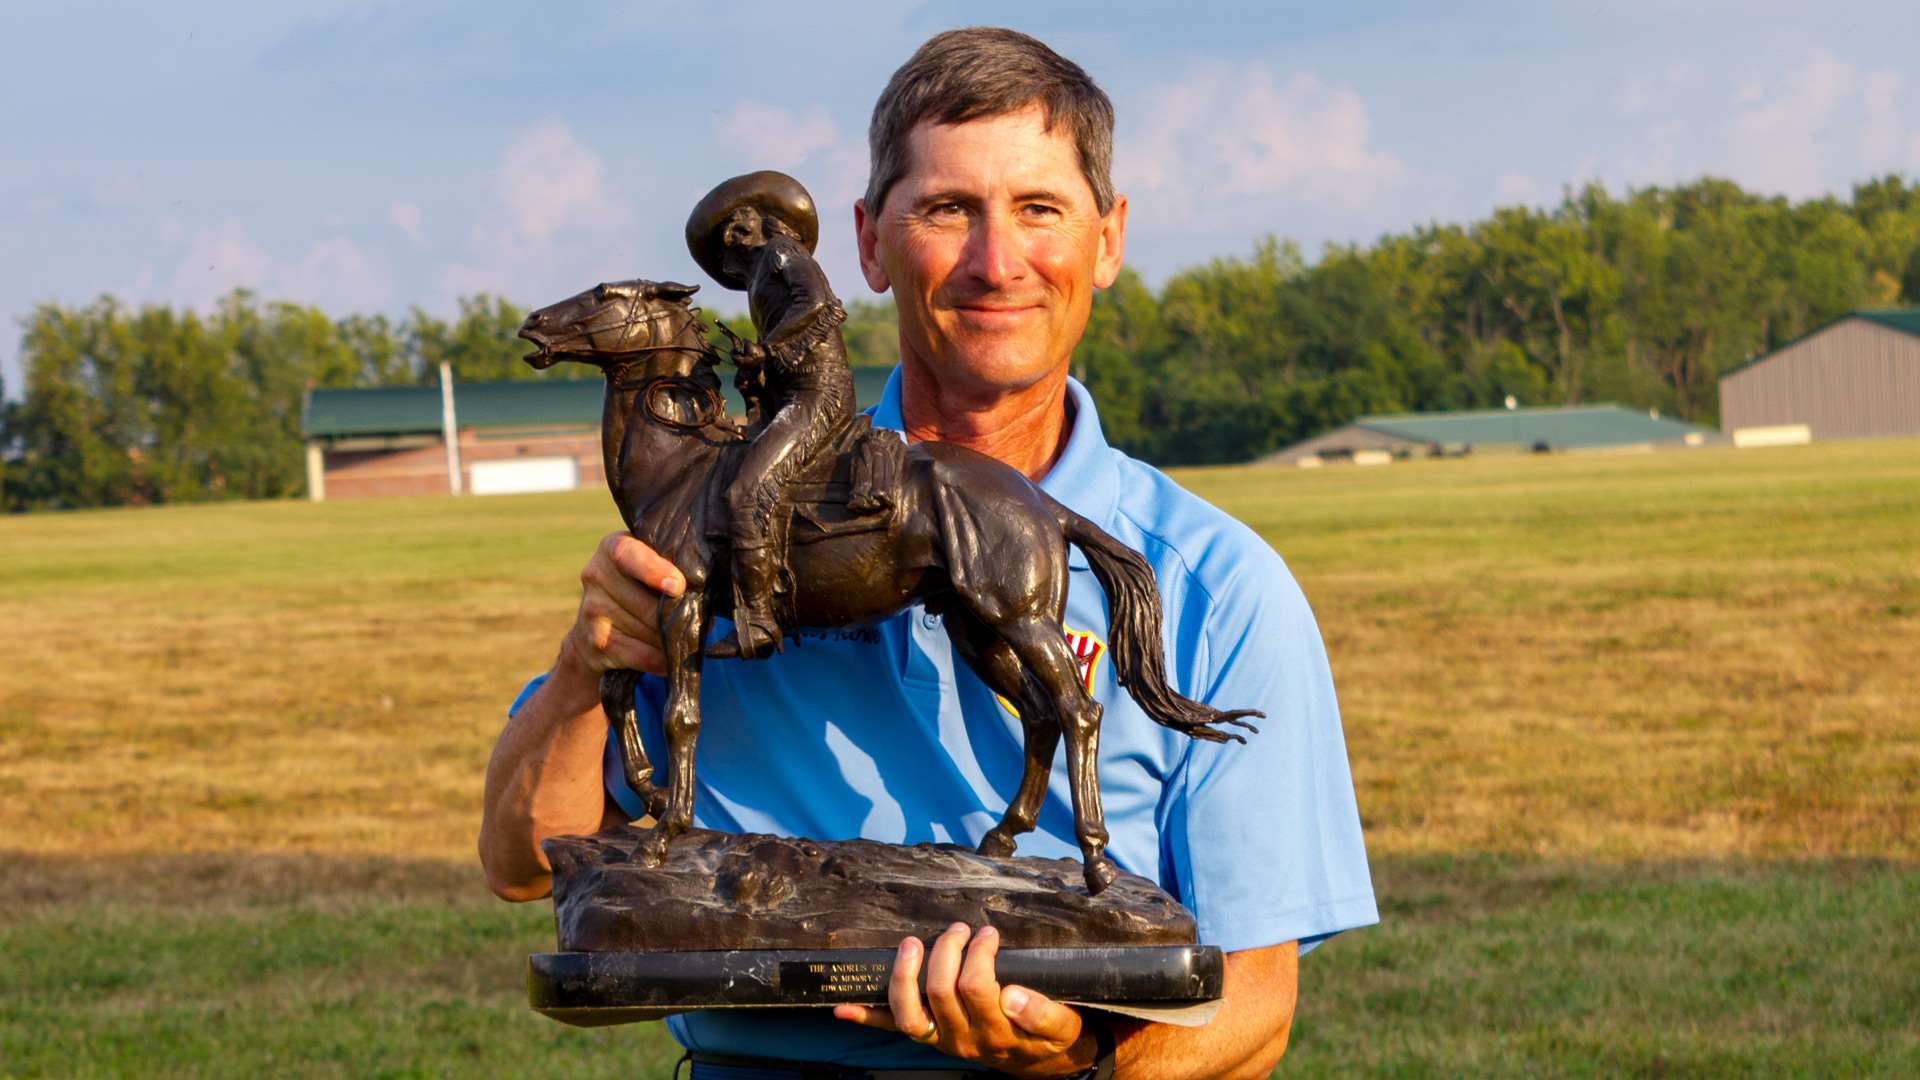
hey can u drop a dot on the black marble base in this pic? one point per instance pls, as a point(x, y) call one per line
point(591, 989)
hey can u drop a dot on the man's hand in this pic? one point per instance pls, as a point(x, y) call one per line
point(618, 624)
point(968, 1014)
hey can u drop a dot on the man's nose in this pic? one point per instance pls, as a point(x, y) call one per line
point(993, 251)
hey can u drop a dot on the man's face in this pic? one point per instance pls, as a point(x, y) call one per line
point(992, 245)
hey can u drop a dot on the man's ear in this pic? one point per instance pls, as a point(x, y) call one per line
point(867, 230)
point(1113, 244)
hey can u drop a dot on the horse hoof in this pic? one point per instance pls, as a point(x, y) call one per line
point(1100, 874)
point(996, 844)
point(652, 850)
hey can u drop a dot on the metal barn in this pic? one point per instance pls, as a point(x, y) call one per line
point(1856, 377)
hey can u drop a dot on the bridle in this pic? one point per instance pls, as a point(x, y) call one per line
point(656, 392)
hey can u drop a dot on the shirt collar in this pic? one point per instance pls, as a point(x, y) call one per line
point(1084, 478)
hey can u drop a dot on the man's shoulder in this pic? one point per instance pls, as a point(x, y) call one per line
point(1180, 531)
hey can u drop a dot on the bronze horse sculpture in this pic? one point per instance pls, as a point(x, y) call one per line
point(966, 535)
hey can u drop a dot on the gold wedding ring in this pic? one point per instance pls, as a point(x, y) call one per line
point(932, 1034)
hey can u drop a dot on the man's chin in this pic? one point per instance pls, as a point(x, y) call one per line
point(994, 365)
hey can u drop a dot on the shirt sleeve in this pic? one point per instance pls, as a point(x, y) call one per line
point(1264, 838)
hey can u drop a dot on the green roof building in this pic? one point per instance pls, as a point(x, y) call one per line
point(531, 435)
point(1377, 439)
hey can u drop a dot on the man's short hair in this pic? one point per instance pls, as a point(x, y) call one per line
point(984, 71)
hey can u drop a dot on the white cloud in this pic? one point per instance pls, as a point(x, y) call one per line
point(1515, 189)
point(1235, 133)
point(779, 137)
point(552, 219)
point(1880, 126)
point(405, 216)
point(1776, 141)
point(548, 180)
point(338, 276)
point(806, 144)
point(1803, 130)
point(219, 260)
point(334, 274)
point(1636, 96)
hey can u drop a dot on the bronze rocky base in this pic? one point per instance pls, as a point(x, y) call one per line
point(722, 891)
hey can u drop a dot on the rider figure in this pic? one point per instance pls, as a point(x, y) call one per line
point(757, 233)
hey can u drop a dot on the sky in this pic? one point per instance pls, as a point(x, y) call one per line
point(372, 157)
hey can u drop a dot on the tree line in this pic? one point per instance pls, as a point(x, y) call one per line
point(1642, 299)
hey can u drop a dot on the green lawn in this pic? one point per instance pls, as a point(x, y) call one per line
point(1634, 739)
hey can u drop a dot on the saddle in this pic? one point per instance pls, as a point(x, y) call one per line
point(852, 486)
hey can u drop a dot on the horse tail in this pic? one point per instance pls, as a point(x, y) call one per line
point(1139, 660)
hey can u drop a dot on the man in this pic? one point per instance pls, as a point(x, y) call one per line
point(991, 217)
point(756, 232)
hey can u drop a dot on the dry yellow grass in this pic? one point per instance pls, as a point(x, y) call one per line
point(1695, 654)
point(1704, 654)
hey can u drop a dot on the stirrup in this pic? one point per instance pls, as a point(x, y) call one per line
point(755, 643)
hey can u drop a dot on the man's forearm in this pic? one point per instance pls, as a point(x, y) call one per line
point(543, 780)
point(1244, 1040)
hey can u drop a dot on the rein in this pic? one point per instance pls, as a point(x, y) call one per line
point(709, 405)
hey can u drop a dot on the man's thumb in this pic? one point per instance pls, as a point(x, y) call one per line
point(1038, 1015)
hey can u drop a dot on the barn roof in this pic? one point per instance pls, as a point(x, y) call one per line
point(409, 410)
point(403, 410)
point(1905, 320)
point(1570, 428)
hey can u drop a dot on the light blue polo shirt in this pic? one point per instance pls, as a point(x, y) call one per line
point(882, 732)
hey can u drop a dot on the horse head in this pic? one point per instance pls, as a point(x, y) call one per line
point(617, 323)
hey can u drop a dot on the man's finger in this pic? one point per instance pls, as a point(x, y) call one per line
point(1039, 1016)
point(873, 1016)
point(634, 654)
point(904, 1007)
point(979, 987)
point(943, 971)
point(645, 565)
point(609, 593)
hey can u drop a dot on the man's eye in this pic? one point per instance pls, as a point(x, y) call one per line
point(1041, 210)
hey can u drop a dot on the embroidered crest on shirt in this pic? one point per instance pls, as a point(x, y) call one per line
point(1087, 651)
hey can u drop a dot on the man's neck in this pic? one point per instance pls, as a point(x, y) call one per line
point(1026, 428)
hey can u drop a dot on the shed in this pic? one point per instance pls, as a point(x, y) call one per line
point(1856, 377)
point(1579, 427)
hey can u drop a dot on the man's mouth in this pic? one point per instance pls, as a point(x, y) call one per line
point(997, 312)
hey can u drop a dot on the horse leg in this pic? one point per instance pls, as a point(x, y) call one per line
point(1043, 649)
point(616, 698)
point(995, 662)
point(683, 622)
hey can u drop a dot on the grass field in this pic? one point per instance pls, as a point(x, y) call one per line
point(1637, 742)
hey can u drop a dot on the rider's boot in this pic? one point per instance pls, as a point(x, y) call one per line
point(756, 632)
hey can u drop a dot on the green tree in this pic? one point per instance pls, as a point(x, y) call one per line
point(872, 333)
point(481, 345)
